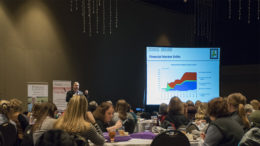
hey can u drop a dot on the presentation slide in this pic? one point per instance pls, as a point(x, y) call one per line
point(188, 73)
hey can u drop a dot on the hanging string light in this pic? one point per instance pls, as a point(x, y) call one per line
point(251, 6)
point(93, 13)
point(84, 15)
point(110, 17)
point(93, 7)
point(229, 9)
point(116, 15)
point(258, 10)
point(104, 17)
point(239, 9)
point(249, 11)
point(97, 5)
point(89, 17)
point(71, 5)
point(76, 2)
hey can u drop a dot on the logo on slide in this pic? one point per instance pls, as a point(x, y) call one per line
point(213, 53)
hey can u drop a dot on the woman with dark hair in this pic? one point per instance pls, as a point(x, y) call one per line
point(191, 110)
point(33, 116)
point(175, 117)
point(92, 106)
point(103, 115)
point(222, 131)
point(163, 111)
point(122, 108)
point(236, 103)
point(45, 120)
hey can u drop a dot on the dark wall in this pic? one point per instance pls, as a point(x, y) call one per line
point(42, 41)
point(238, 39)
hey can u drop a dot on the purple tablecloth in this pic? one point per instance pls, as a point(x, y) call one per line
point(118, 138)
point(141, 135)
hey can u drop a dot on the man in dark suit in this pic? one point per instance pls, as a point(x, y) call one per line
point(75, 90)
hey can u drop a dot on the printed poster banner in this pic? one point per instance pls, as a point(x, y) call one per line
point(37, 93)
point(60, 89)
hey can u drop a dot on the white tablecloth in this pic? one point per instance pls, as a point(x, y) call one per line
point(196, 143)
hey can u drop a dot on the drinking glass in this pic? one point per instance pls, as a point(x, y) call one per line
point(112, 134)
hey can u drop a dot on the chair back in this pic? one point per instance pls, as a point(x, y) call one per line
point(171, 138)
point(9, 134)
point(2, 142)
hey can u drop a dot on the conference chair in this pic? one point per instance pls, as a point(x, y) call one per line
point(9, 134)
point(171, 138)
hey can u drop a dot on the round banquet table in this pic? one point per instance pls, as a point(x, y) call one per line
point(143, 142)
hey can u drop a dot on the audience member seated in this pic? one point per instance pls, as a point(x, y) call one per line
point(255, 103)
point(103, 115)
point(162, 111)
point(252, 137)
point(7, 127)
point(45, 120)
point(249, 109)
point(92, 106)
point(35, 113)
point(130, 110)
point(191, 110)
point(236, 102)
point(4, 109)
point(15, 114)
point(2, 142)
point(122, 114)
point(201, 118)
point(56, 138)
point(197, 104)
point(33, 116)
point(222, 130)
point(201, 112)
point(175, 117)
point(80, 123)
point(146, 115)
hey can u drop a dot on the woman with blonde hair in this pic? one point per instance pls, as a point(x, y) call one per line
point(236, 103)
point(15, 114)
point(201, 112)
point(77, 121)
point(7, 127)
point(4, 110)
